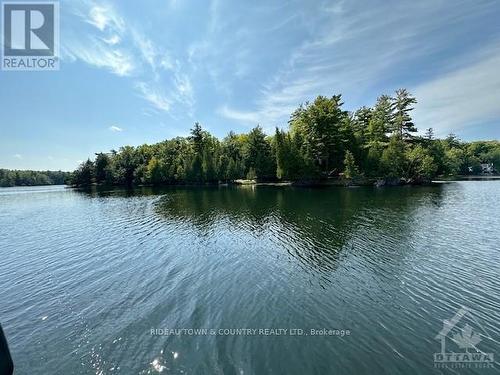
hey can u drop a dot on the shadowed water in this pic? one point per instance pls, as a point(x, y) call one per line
point(86, 276)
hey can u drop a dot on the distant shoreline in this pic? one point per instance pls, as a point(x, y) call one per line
point(338, 182)
point(314, 183)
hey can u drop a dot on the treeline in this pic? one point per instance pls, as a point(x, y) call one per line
point(10, 177)
point(323, 140)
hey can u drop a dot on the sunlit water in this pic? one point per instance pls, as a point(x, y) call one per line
point(85, 277)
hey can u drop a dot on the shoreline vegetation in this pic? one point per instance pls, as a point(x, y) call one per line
point(324, 145)
point(16, 177)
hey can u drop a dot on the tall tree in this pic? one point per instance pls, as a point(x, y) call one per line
point(126, 164)
point(394, 158)
point(154, 171)
point(320, 126)
point(83, 176)
point(429, 134)
point(102, 166)
point(350, 167)
point(258, 155)
point(290, 164)
point(402, 106)
point(196, 168)
point(381, 121)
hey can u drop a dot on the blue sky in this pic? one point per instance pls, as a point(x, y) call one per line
point(141, 71)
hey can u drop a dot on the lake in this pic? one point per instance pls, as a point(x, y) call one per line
point(250, 280)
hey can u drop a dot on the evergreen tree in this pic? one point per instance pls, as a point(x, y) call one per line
point(394, 159)
point(421, 166)
point(83, 176)
point(350, 167)
point(380, 122)
point(258, 155)
point(429, 134)
point(126, 165)
point(320, 126)
point(402, 105)
point(102, 168)
point(322, 140)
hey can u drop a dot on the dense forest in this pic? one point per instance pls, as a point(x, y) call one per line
point(32, 178)
point(323, 141)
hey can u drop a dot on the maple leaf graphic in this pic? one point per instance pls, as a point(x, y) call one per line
point(467, 338)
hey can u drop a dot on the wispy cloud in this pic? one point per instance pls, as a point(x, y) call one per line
point(118, 61)
point(146, 48)
point(126, 51)
point(260, 64)
point(18, 156)
point(467, 96)
point(238, 115)
point(105, 17)
point(112, 40)
point(101, 49)
point(353, 49)
point(115, 128)
point(154, 95)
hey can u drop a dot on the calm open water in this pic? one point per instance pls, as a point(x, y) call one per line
point(86, 277)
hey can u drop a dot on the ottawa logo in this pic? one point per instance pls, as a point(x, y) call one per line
point(463, 343)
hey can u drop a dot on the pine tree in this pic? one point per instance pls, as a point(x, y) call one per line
point(402, 105)
point(380, 121)
point(350, 167)
point(258, 155)
point(394, 159)
point(429, 134)
point(321, 127)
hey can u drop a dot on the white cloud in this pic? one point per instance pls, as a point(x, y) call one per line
point(104, 17)
point(146, 48)
point(237, 115)
point(103, 48)
point(112, 40)
point(114, 128)
point(91, 51)
point(127, 51)
point(183, 91)
point(353, 49)
point(18, 156)
point(154, 95)
point(465, 97)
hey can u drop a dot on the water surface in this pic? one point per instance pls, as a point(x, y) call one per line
point(86, 276)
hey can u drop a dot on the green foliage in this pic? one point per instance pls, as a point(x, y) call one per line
point(492, 156)
point(373, 165)
point(125, 165)
point(394, 158)
point(402, 105)
point(454, 161)
point(323, 140)
point(351, 169)
point(380, 122)
point(290, 164)
point(83, 176)
point(32, 178)
point(154, 172)
point(102, 165)
point(324, 132)
point(251, 175)
point(421, 165)
point(258, 155)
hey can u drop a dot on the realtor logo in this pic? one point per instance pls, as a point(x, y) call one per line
point(30, 35)
point(464, 342)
